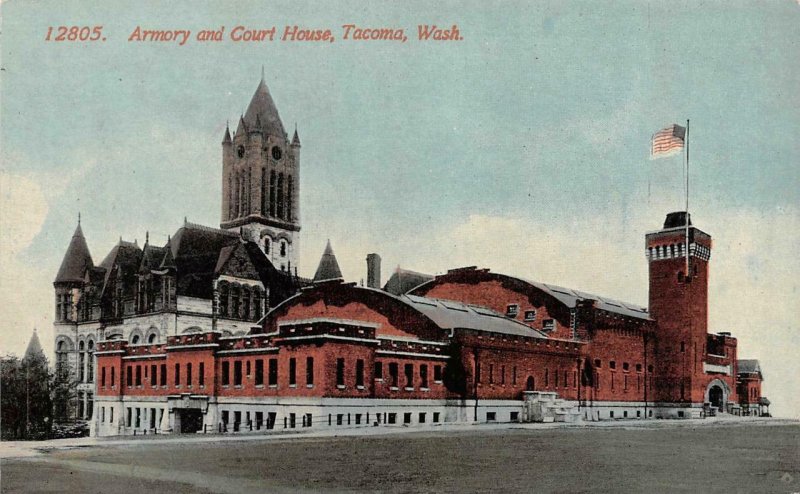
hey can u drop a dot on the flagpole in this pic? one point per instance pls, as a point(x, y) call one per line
point(687, 199)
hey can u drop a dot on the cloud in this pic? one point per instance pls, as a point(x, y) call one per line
point(27, 298)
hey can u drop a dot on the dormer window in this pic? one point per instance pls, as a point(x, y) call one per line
point(549, 325)
point(530, 315)
point(512, 310)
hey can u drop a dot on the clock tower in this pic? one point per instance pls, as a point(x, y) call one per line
point(260, 181)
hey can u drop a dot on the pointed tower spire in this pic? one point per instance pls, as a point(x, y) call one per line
point(328, 268)
point(242, 128)
point(263, 107)
point(77, 259)
point(34, 350)
point(226, 139)
point(295, 138)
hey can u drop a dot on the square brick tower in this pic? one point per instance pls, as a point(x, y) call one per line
point(260, 181)
point(679, 304)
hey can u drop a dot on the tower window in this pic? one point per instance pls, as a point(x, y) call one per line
point(289, 202)
point(279, 200)
point(264, 199)
point(283, 248)
point(272, 188)
point(266, 245)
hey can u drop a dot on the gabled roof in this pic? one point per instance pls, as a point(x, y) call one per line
point(448, 314)
point(262, 112)
point(76, 261)
point(152, 256)
point(328, 268)
point(748, 366)
point(404, 280)
point(126, 255)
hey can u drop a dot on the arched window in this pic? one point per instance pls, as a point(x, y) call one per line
point(152, 338)
point(81, 361)
point(289, 203)
point(272, 186)
point(257, 304)
point(245, 303)
point(283, 248)
point(267, 243)
point(235, 301)
point(264, 197)
point(223, 299)
point(279, 199)
point(135, 339)
point(90, 361)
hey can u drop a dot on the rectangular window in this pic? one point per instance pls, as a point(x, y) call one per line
point(189, 374)
point(437, 373)
point(259, 372)
point(273, 372)
point(512, 310)
point(340, 372)
point(625, 366)
point(177, 374)
point(423, 375)
point(491, 373)
point(625, 382)
point(309, 371)
point(422, 417)
point(138, 375)
point(259, 415)
point(491, 416)
point(103, 377)
point(378, 370)
point(407, 418)
point(392, 419)
point(555, 378)
point(360, 372)
point(163, 374)
point(226, 373)
point(502, 374)
point(549, 325)
point(339, 418)
point(247, 369)
point(237, 373)
point(201, 374)
point(514, 375)
point(393, 374)
point(113, 371)
point(514, 417)
point(409, 373)
point(358, 419)
point(478, 372)
point(153, 377)
point(436, 417)
point(292, 371)
point(530, 315)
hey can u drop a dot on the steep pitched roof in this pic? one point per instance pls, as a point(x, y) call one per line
point(403, 280)
point(34, 347)
point(328, 268)
point(76, 261)
point(262, 111)
point(151, 258)
point(126, 255)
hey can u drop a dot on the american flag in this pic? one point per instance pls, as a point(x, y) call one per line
point(668, 141)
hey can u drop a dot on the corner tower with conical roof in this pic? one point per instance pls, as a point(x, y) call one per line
point(260, 181)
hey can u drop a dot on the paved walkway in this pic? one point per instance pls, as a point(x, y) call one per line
point(22, 449)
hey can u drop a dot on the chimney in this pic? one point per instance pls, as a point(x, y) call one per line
point(374, 271)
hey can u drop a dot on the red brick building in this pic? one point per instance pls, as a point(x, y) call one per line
point(467, 345)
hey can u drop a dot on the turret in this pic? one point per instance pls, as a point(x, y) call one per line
point(71, 276)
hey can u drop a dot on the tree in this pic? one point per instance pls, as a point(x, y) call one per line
point(26, 404)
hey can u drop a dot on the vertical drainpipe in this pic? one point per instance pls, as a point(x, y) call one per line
point(475, 379)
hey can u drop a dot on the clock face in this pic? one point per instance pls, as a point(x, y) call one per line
point(240, 151)
point(276, 153)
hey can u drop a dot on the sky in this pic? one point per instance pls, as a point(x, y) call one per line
point(522, 147)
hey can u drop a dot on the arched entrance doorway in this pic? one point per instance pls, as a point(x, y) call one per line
point(716, 397)
point(530, 384)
